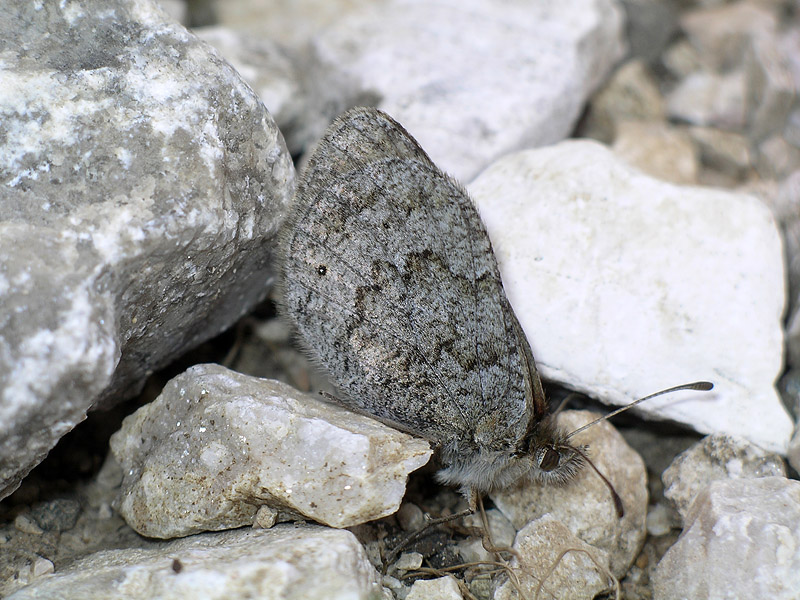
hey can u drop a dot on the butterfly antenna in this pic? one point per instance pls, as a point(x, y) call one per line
point(702, 386)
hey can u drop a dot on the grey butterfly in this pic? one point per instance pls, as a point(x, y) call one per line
point(389, 278)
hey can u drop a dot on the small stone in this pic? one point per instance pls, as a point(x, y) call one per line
point(771, 89)
point(722, 150)
point(660, 520)
point(409, 561)
point(722, 34)
point(501, 531)
point(777, 158)
point(441, 588)
point(265, 518)
point(716, 457)
point(741, 540)
point(410, 517)
point(710, 99)
point(631, 94)
point(25, 524)
point(582, 572)
point(658, 149)
point(216, 445)
point(42, 566)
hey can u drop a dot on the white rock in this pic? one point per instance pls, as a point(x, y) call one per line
point(288, 562)
point(216, 445)
point(584, 505)
point(582, 572)
point(441, 588)
point(706, 98)
point(714, 458)
point(626, 285)
point(475, 79)
point(742, 540)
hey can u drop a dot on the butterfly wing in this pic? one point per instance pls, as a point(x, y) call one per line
point(390, 280)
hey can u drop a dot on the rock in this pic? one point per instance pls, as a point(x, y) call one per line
point(478, 81)
point(501, 530)
point(216, 445)
point(290, 24)
point(716, 457)
point(142, 183)
point(742, 540)
point(584, 504)
point(441, 588)
point(294, 562)
point(266, 67)
point(661, 285)
point(658, 149)
point(771, 89)
point(710, 99)
point(777, 158)
point(722, 34)
point(681, 59)
point(722, 151)
point(793, 454)
point(567, 567)
point(631, 94)
point(57, 515)
point(650, 25)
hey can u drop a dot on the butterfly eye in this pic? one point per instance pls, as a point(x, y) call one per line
point(549, 459)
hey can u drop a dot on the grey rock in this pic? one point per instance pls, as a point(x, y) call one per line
point(441, 588)
point(771, 88)
point(141, 183)
point(216, 445)
point(56, 515)
point(723, 151)
point(429, 66)
point(741, 540)
point(716, 457)
point(650, 25)
point(290, 562)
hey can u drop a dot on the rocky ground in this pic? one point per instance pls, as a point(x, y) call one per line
point(637, 165)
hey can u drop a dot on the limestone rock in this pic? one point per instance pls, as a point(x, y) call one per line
point(741, 540)
point(626, 285)
point(306, 562)
point(216, 445)
point(141, 183)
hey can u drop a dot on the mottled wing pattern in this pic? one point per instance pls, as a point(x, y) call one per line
point(390, 280)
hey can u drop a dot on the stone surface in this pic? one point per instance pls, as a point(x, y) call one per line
point(501, 530)
point(723, 151)
point(716, 457)
point(216, 445)
point(474, 82)
point(631, 94)
point(650, 25)
point(710, 99)
point(722, 34)
point(141, 182)
point(266, 67)
point(658, 149)
point(771, 89)
point(441, 588)
point(584, 505)
point(305, 562)
point(629, 285)
point(741, 540)
point(568, 568)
